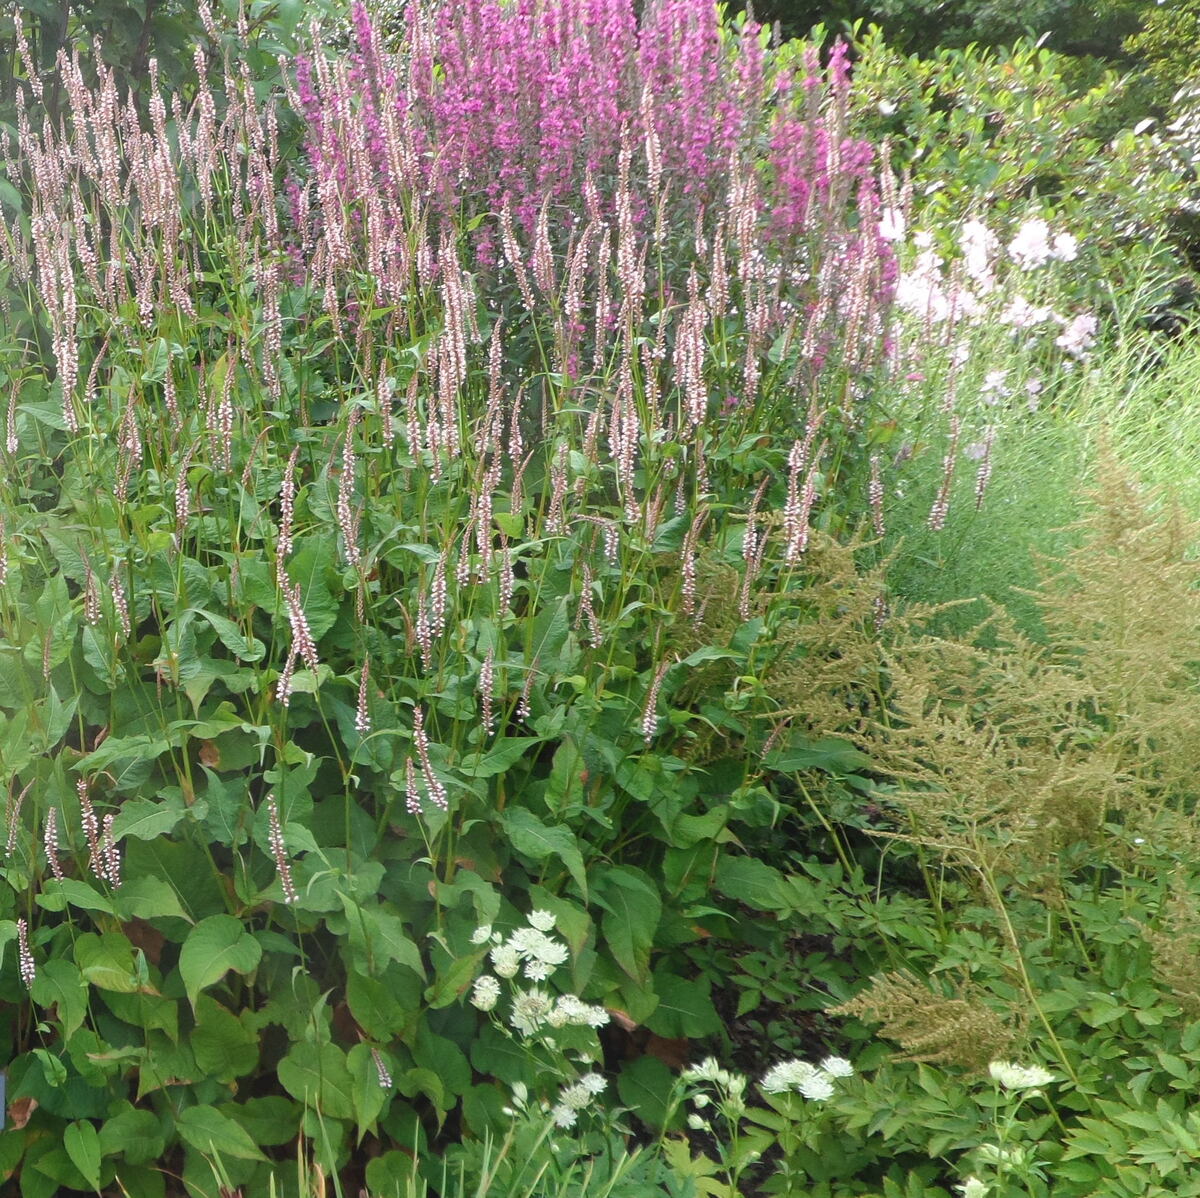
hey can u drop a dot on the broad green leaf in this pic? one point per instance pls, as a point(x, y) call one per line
point(632, 911)
point(118, 750)
point(215, 1135)
point(317, 1077)
point(57, 894)
point(685, 1009)
point(374, 1006)
point(223, 1046)
point(534, 839)
point(379, 935)
point(752, 882)
point(147, 819)
point(8, 933)
point(393, 1173)
point(829, 755)
point(498, 757)
point(645, 1087)
point(369, 1094)
point(232, 637)
point(271, 1121)
point(107, 962)
point(214, 947)
point(314, 558)
point(148, 897)
point(59, 984)
point(82, 1143)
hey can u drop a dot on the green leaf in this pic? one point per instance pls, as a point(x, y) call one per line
point(60, 984)
point(232, 637)
point(684, 1010)
point(374, 1007)
point(148, 897)
point(830, 756)
point(56, 895)
point(214, 1135)
point(392, 1175)
point(146, 819)
point(752, 882)
point(368, 1093)
point(498, 757)
point(534, 839)
point(272, 1120)
point(214, 947)
point(224, 1047)
point(107, 962)
point(316, 1076)
point(645, 1087)
point(378, 934)
point(82, 1142)
point(134, 1135)
point(308, 568)
point(632, 911)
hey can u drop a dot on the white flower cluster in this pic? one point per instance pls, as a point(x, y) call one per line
point(1019, 1077)
point(940, 292)
point(972, 1187)
point(534, 953)
point(814, 1082)
point(573, 1098)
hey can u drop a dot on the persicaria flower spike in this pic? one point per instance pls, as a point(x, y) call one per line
point(279, 850)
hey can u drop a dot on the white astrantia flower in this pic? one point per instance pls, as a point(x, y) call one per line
point(505, 960)
point(593, 1083)
point(575, 1096)
point(482, 935)
point(485, 993)
point(563, 1116)
point(785, 1076)
point(530, 1010)
point(707, 1071)
point(817, 1088)
point(1019, 1077)
point(543, 921)
point(837, 1067)
point(972, 1187)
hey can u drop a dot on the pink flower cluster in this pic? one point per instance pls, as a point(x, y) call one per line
point(489, 108)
